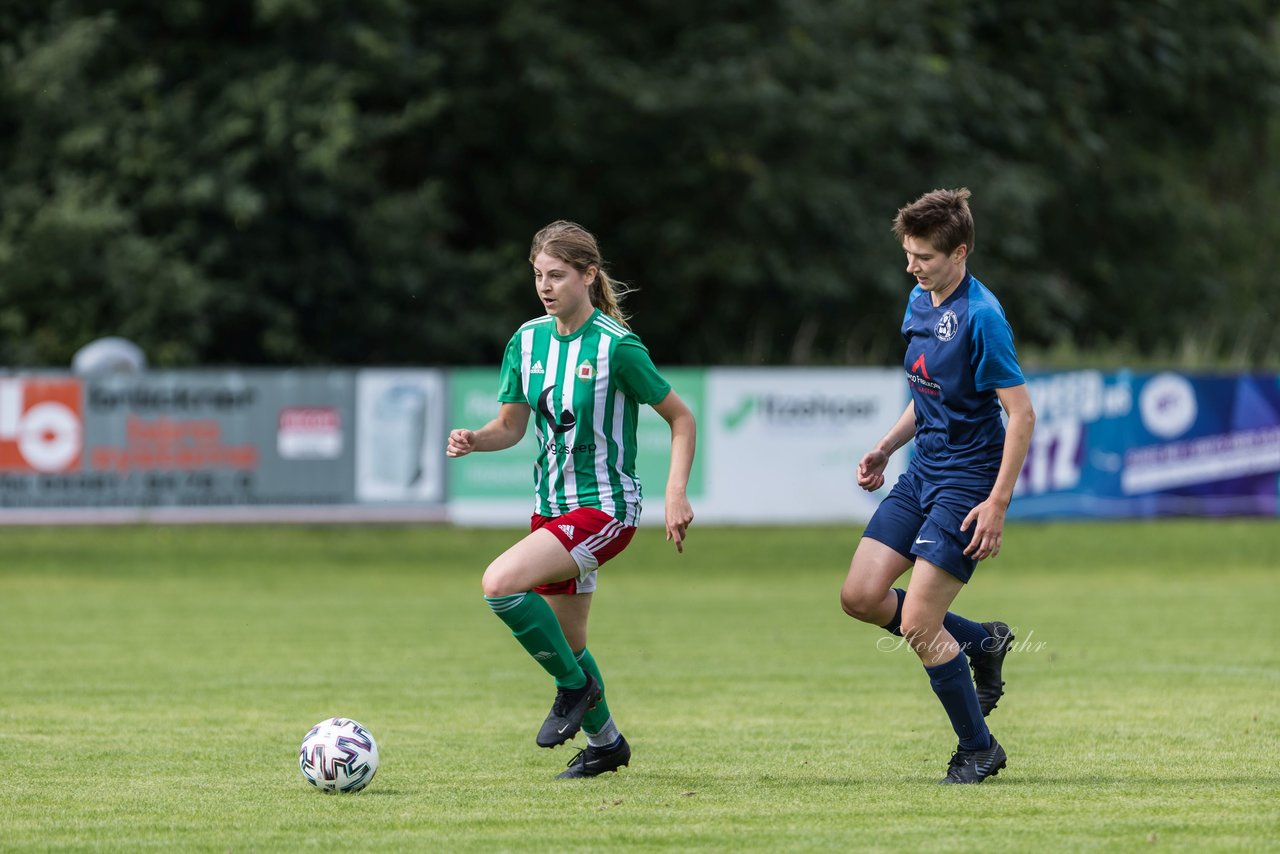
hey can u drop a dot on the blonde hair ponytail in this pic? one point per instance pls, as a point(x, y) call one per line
point(577, 247)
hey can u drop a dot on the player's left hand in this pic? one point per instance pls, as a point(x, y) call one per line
point(679, 517)
point(988, 521)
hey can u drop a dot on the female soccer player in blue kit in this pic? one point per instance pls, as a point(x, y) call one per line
point(946, 512)
point(582, 373)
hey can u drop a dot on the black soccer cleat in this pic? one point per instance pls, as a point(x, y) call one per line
point(987, 669)
point(597, 760)
point(570, 706)
point(974, 766)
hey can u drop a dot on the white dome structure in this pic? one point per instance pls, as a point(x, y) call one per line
point(109, 355)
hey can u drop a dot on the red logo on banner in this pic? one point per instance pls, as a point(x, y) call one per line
point(41, 425)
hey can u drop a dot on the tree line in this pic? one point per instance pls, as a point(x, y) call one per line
point(321, 182)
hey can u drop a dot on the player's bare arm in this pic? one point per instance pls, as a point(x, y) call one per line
point(684, 433)
point(502, 432)
point(989, 515)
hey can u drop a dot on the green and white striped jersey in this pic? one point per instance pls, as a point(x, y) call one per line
point(585, 390)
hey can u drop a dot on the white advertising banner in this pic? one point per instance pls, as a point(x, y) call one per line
point(400, 422)
point(783, 444)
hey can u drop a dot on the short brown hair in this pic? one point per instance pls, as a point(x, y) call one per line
point(941, 217)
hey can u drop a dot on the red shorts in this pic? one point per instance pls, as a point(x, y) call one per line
point(591, 537)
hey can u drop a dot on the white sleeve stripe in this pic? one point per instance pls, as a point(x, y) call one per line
point(537, 321)
point(606, 322)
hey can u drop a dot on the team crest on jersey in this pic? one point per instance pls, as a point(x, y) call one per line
point(585, 371)
point(946, 327)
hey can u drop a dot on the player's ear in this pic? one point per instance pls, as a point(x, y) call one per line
point(960, 253)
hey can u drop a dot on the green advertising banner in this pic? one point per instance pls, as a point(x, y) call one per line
point(507, 476)
point(473, 403)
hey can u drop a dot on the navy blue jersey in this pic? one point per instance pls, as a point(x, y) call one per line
point(958, 354)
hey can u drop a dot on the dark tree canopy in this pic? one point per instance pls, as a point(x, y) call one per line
point(304, 182)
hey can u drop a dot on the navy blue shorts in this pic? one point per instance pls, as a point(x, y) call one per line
point(922, 519)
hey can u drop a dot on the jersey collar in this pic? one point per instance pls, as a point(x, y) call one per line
point(580, 331)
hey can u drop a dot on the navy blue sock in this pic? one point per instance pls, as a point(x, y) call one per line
point(967, 633)
point(894, 626)
point(954, 687)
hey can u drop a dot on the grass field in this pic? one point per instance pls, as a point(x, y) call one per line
point(157, 682)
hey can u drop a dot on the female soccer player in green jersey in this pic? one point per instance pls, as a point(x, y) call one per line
point(583, 374)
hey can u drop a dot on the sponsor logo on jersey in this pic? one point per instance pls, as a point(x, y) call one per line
point(561, 448)
point(537, 368)
point(921, 367)
point(947, 325)
point(918, 376)
point(565, 422)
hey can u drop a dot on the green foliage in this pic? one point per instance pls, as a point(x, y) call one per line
point(158, 682)
point(321, 181)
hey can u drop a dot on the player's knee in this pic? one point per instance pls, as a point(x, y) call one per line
point(857, 604)
point(498, 581)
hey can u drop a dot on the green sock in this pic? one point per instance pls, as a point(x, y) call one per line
point(534, 624)
point(599, 716)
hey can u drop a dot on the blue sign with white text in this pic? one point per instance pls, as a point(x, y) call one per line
point(1134, 445)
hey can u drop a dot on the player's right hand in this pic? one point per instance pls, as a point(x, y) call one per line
point(871, 470)
point(461, 443)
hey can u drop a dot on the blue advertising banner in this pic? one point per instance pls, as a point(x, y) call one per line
point(1137, 445)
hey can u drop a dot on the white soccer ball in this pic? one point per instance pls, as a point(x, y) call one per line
point(338, 755)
